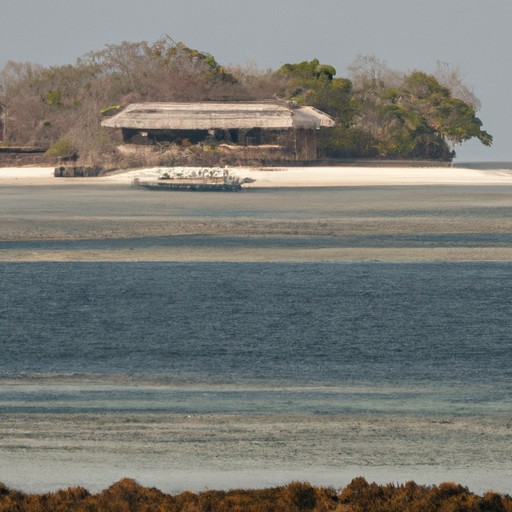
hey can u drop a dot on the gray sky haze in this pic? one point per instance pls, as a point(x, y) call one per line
point(473, 35)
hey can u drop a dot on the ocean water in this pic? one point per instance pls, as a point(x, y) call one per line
point(196, 341)
point(211, 374)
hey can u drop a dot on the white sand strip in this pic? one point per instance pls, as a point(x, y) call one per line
point(346, 176)
point(371, 176)
point(26, 172)
point(288, 176)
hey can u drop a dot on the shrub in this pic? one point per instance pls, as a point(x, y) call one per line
point(63, 148)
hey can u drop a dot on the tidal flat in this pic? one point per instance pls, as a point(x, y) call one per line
point(392, 223)
point(220, 340)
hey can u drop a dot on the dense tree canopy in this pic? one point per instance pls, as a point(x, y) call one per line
point(385, 114)
point(379, 112)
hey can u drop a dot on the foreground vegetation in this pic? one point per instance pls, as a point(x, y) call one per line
point(358, 496)
point(379, 112)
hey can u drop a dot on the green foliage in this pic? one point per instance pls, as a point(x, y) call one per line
point(62, 148)
point(452, 118)
point(325, 70)
point(387, 115)
point(305, 78)
point(423, 86)
point(412, 116)
point(54, 97)
point(305, 70)
point(458, 122)
point(379, 113)
point(107, 111)
point(346, 142)
point(312, 83)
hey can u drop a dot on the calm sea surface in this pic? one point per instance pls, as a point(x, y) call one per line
point(222, 374)
point(400, 325)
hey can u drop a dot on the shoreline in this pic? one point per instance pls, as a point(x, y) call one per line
point(346, 214)
point(278, 177)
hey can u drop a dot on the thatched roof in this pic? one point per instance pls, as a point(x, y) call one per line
point(217, 115)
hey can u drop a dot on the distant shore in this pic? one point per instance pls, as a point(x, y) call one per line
point(287, 176)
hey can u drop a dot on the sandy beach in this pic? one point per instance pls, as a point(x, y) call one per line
point(287, 214)
point(287, 176)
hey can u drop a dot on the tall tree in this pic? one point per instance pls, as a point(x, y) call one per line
point(452, 118)
point(413, 115)
point(379, 112)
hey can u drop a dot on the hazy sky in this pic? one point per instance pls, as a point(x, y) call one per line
point(473, 35)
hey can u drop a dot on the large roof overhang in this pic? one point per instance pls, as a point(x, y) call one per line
point(218, 115)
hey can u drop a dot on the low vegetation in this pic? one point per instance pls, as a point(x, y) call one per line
point(358, 496)
point(379, 112)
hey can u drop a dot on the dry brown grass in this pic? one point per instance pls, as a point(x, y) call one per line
point(359, 496)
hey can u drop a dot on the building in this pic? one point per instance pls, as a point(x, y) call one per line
point(292, 128)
